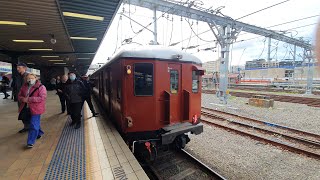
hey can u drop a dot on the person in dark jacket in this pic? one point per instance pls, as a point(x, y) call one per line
point(87, 96)
point(61, 88)
point(75, 90)
point(20, 80)
point(5, 83)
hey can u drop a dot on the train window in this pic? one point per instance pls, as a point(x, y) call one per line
point(174, 81)
point(143, 79)
point(118, 89)
point(195, 81)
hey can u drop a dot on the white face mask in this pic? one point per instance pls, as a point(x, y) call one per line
point(31, 81)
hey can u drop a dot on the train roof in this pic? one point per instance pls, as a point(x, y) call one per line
point(155, 52)
point(158, 53)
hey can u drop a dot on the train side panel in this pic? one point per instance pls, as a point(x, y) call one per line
point(139, 96)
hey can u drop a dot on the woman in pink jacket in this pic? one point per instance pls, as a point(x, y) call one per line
point(33, 95)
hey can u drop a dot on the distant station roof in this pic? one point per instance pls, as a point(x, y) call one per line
point(54, 32)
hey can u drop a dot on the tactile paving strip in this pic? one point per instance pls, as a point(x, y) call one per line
point(69, 158)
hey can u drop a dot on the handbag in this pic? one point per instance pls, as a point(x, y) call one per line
point(25, 113)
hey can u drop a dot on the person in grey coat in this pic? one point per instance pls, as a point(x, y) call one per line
point(74, 92)
point(20, 81)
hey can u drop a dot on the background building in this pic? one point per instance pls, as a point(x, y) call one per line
point(211, 66)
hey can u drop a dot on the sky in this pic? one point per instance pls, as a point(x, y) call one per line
point(173, 29)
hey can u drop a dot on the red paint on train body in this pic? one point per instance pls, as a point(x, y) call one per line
point(150, 94)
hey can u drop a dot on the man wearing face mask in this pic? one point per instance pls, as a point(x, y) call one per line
point(74, 92)
point(61, 86)
point(33, 97)
point(88, 91)
point(20, 80)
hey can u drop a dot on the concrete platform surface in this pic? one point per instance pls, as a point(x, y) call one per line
point(95, 151)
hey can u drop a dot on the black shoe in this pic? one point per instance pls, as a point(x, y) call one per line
point(95, 114)
point(72, 123)
point(78, 126)
point(62, 112)
point(30, 146)
point(39, 137)
point(23, 130)
point(5, 98)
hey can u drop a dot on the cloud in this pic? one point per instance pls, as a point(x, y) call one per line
point(242, 51)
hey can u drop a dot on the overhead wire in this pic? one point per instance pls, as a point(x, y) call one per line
point(189, 38)
point(262, 9)
point(120, 19)
point(264, 45)
point(171, 31)
point(288, 22)
point(131, 21)
point(284, 31)
point(196, 33)
point(157, 18)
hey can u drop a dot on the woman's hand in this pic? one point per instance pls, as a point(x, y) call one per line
point(25, 100)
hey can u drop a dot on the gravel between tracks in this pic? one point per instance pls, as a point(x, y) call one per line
point(298, 116)
point(239, 157)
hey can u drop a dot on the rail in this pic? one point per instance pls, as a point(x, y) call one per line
point(288, 138)
point(178, 165)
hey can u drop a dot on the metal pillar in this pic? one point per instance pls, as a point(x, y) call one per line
point(225, 33)
point(155, 31)
point(294, 63)
point(308, 55)
point(269, 51)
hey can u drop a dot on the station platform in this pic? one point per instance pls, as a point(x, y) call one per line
point(95, 151)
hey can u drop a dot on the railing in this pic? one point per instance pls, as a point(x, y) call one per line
point(166, 96)
point(186, 104)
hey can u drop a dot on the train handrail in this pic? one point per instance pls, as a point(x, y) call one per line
point(167, 107)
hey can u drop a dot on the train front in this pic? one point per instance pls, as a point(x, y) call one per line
point(164, 104)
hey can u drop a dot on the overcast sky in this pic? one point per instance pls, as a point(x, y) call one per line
point(241, 51)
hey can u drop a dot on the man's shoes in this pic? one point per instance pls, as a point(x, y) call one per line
point(5, 98)
point(95, 114)
point(78, 125)
point(23, 130)
point(39, 137)
point(30, 146)
point(72, 123)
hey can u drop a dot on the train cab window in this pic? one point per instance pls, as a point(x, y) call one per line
point(118, 89)
point(143, 79)
point(195, 82)
point(174, 81)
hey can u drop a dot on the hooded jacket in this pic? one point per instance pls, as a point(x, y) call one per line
point(37, 102)
point(75, 91)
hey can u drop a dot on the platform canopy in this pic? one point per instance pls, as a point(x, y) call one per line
point(29, 29)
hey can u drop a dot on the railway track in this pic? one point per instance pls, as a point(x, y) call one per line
point(180, 165)
point(268, 89)
point(288, 138)
point(314, 102)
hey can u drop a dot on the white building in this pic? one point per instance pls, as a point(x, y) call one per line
point(211, 66)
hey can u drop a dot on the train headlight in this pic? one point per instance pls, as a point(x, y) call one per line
point(128, 68)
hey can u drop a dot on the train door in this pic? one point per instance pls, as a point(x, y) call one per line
point(175, 92)
point(101, 85)
point(109, 91)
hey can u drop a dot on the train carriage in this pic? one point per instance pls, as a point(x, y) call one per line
point(153, 94)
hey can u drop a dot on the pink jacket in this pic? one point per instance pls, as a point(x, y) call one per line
point(37, 102)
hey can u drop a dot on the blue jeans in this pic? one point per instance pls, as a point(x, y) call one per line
point(34, 129)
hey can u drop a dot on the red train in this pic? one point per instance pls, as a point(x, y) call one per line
point(153, 94)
